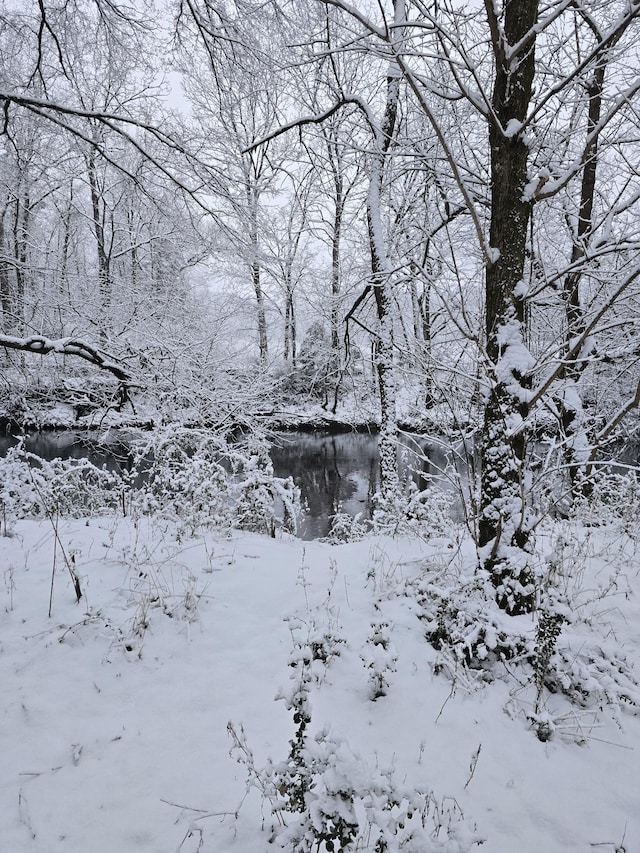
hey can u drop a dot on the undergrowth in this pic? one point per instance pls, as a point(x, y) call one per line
point(564, 649)
point(195, 478)
point(324, 797)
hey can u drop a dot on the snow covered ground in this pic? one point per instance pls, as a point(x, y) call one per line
point(115, 710)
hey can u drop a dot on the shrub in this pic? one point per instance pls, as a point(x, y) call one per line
point(31, 487)
point(324, 798)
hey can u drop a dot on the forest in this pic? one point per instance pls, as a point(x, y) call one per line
point(225, 218)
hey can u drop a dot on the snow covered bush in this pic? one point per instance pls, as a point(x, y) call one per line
point(577, 653)
point(314, 375)
point(417, 513)
point(564, 648)
point(612, 497)
point(31, 487)
point(200, 478)
point(152, 594)
point(465, 626)
point(379, 657)
point(182, 476)
point(257, 492)
point(345, 528)
point(195, 478)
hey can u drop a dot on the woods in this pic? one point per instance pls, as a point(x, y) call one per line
point(224, 218)
point(452, 189)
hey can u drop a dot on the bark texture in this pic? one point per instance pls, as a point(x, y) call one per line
point(503, 531)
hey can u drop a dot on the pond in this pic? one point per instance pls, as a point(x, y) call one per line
point(331, 470)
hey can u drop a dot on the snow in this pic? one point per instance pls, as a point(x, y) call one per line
point(513, 128)
point(515, 358)
point(115, 710)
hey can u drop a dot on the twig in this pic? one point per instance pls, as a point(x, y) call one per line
point(74, 577)
point(184, 808)
point(473, 764)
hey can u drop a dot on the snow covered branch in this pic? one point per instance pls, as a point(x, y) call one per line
point(67, 346)
point(319, 118)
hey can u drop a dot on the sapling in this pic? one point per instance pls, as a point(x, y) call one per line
point(345, 528)
point(379, 658)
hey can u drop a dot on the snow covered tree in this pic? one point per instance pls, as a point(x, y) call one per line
point(542, 121)
point(504, 525)
point(236, 98)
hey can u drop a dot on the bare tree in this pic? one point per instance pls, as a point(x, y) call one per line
point(236, 99)
point(503, 167)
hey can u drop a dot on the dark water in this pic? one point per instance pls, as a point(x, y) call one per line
point(114, 455)
point(334, 471)
point(330, 470)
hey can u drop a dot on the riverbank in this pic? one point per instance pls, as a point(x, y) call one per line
point(96, 406)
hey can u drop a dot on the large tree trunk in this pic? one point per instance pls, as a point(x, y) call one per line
point(503, 528)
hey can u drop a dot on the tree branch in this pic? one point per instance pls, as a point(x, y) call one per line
point(319, 118)
point(67, 346)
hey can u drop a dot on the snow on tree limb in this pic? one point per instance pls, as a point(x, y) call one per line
point(131, 130)
point(67, 346)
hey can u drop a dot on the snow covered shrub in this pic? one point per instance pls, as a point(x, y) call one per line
point(311, 657)
point(379, 657)
point(547, 632)
point(183, 477)
point(587, 570)
point(304, 821)
point(314, 375)
point(159, 586)
point(416, 513)
point(565, 647)
point(258, 492)
point(594, 675)
point(199, 478)
point(345, 528)
point(31, 487)
point(612, 497)
point(464, 623)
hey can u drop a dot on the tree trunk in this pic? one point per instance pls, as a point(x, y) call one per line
point(381, 285)
point(104, 264)
point(421, 305)
point(503, 529)
point(335, 360)
point(576, 443)
point(254, 246)
point(5, 282)
point(290, 336)
point(20, 258)
point(336, 236)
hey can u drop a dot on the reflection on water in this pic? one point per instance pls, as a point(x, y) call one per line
point(113, 454)
point(342, 471)
point(330, 470)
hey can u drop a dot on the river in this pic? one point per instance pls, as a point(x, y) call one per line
point(330, 470)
